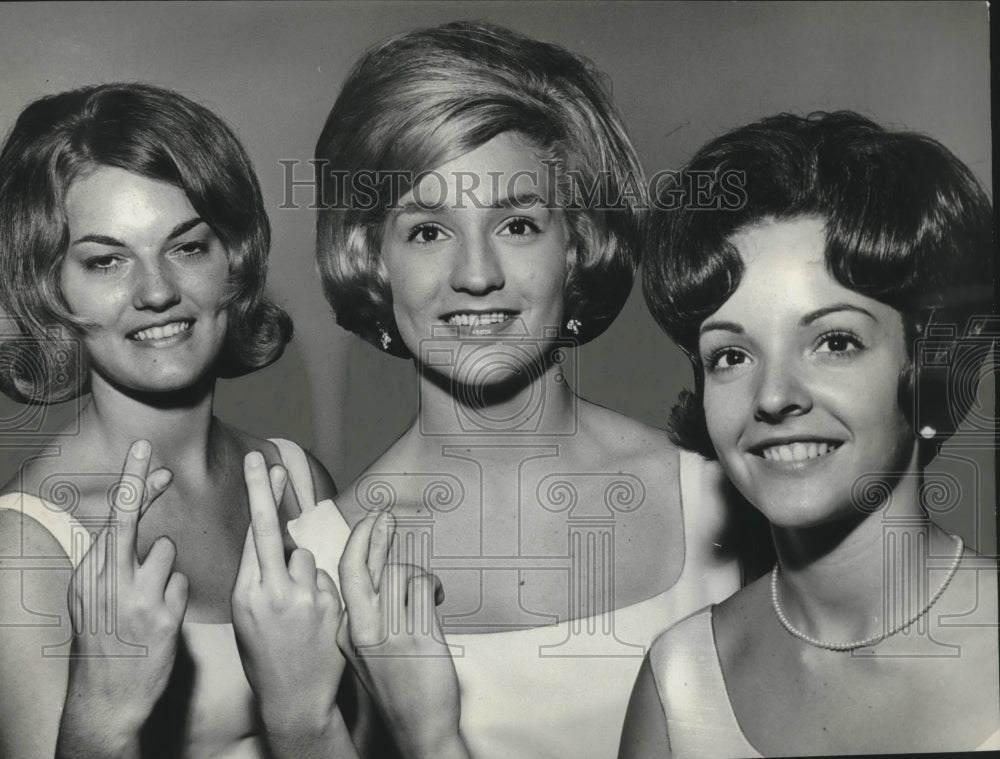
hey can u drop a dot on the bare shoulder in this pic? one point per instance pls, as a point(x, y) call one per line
point(322, 481)
point(34, 576)
point(616, 438)
point(370, 488)
point(735, 618)
point(644, 733)
point(64, 475)
point(971, 601)
point(239, 443)
point(22, 536)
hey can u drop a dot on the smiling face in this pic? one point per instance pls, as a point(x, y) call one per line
point(801, 379)
point(475, 254)
point(150, 275)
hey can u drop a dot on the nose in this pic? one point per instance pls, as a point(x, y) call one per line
point(155, 288)
point(477, 268)
point(782, 392)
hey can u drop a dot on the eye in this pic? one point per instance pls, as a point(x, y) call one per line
point(725, 359)
point(520, 226)
point(192, 249)
point(839, 344)
point(103, 264)
point(425, 234)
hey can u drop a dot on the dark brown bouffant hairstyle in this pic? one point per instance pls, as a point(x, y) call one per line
point(157, 134)
point(421, 99)
point(906, 224)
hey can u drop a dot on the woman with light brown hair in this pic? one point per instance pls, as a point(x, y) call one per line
point(482, 214)
point(133, 256)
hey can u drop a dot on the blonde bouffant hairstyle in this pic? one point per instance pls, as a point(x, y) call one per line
point(421, 99)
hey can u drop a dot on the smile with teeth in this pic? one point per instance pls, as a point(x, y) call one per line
point(162, 331)
point(475, 320)
point(798, 451)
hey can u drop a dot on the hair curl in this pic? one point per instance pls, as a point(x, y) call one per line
point(906, 224)
point(158, 134)
point(421, 99)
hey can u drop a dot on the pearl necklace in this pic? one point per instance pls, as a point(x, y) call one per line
point(878, 638)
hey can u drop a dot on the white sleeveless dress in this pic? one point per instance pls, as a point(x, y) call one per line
point(561, 691)
point(701, 723)
point(215, 715)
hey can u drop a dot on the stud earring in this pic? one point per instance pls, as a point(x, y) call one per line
point(927, 432)
point(573, 325)
point(384, 338)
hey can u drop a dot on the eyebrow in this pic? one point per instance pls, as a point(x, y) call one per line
point(819, 313)
point(184, 226)
point(522, 201)
point(806, 320)
point(720, 325)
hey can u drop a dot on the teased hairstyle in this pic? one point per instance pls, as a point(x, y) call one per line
point(906, 224)
point(157, 134)
point(421, 99)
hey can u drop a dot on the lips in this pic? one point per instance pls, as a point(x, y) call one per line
point(477, 318)
point(794, 449)
point(797, 451)
point(161, 331)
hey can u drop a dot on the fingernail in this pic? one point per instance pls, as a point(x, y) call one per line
point(140, 449)
point(254, 459)
point(161, 479)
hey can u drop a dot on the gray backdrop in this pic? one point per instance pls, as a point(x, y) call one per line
point(681, 72)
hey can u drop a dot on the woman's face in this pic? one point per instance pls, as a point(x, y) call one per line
point(801, 380)
point(475, 254)
point(151, 277)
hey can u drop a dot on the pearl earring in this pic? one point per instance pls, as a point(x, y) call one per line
point(927, 432)
point(573, 325)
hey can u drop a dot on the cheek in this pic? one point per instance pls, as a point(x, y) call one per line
point(206, 288)
point(545, 278)
point(413, 289)
point(90, 300)
point(723, 414)
point(216, 296)
point(886, 418)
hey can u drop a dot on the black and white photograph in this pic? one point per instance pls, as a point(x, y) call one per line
point(497, 380)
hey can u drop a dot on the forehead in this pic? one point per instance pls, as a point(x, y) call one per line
point(785, 270)
point(109, 199)
point(777, 243)
point(508, 166)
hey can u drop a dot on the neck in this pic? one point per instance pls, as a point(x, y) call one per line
point(840, 581)
point(178, 425)
point(533, 404)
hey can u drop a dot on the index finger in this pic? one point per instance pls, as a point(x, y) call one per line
point(264, 518)
point(355, 578)
point(379, 545)
point(127, 502)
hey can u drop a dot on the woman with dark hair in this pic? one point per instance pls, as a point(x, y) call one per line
point(837, 322)
point(482, 213)
point(133, 256)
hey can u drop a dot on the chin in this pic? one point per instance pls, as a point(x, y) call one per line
point(803, 510)
point(161, 383)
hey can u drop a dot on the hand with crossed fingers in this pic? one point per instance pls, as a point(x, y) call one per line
point(126, 617)
point(286, 619)
point(393, 639)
